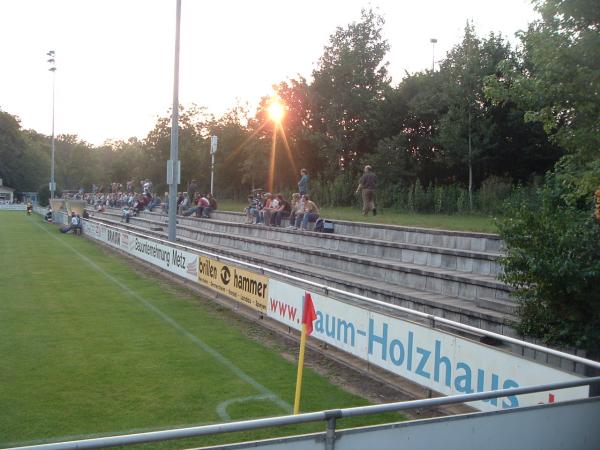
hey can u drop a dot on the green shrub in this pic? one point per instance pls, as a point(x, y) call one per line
point(492, 193)
point(553, 262)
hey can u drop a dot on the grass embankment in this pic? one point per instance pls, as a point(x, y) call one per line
point(467, 222)
point(91, 346)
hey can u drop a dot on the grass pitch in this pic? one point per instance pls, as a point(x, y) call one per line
point(92, 347)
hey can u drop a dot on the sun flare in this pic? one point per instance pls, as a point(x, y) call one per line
point(276, 110)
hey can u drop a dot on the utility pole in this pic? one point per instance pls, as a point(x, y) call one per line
point(52, 61)
point(213, 149)
point(433, 42)
point(173, 167)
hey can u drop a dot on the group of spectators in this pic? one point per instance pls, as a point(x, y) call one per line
point(270, 210)
point(201, 205)
point(263, 208)
point(131, 202)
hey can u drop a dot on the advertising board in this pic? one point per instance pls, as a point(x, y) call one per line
point(432, 358)
point(12, 207)
point(172, 259)
point(242, 285)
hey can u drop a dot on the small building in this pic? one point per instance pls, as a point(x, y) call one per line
point(7, 195)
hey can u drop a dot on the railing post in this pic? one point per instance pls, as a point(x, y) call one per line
point(331, 417)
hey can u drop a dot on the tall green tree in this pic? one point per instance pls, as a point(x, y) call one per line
point(349, 81)
point(553, 245)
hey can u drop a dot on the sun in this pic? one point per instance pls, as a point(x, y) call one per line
point(276, 110)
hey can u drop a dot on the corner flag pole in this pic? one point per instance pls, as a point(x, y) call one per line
point(308, 315)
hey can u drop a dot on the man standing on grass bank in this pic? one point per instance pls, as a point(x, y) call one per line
point(367, 184)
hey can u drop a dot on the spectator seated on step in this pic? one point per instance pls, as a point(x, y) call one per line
point(271, 205)
point(213, 205)
point(282, 211)
point(141, 203)
point(200, 203)
point(186, 202)
point(252, 210)
point(126, 214)
point(309, 214)
point(48, 216)
point(297, 207)
point(153, 202)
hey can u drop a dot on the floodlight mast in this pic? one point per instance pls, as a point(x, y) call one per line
point(52, 61)
point(433, 42)
point(173, 164)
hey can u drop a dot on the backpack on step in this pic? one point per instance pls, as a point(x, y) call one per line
point(324, 226)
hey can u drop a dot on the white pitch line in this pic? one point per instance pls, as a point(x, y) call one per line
point(222, 407)
point(264, 391)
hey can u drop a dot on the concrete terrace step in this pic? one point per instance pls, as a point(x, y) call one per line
point(461, 310)
point(445, 282)
point(468, 261)
point(461, 240)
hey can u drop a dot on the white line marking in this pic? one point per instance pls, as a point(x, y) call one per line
point(264, 391)
point(222, 407)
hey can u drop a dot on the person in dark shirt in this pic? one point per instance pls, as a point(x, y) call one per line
point(368, 184)
point(283, 211)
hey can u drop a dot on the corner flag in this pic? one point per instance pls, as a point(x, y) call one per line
point(308, 313)
point(308, 317)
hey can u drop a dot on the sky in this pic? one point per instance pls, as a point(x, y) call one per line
point(114, 58)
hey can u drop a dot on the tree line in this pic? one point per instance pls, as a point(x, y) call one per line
point(432, 130)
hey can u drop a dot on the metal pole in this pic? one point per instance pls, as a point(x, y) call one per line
point(52, 69)
point(173, 166)
point(53, 109)
point(433, 42)
point(212, 174)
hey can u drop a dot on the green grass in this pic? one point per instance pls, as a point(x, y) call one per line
point(466, 222)
point(83, 357)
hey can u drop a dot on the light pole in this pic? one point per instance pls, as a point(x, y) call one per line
point(213, 149)
point(52, 61)
point(433, 42)
point(173, 167)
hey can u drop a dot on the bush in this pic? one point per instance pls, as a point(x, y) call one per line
point(438, 199)
point(553, 262)
point(494, 190)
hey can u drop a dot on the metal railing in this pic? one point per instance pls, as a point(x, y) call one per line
point(330, 416)
point(326, 289)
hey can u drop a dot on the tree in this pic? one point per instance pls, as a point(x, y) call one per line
point(349, 81)
point(24, 160)
point(553, 244)
point(557, 78)
point(553, 262)
point(467, 128)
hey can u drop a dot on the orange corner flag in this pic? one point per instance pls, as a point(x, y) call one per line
point(308, 317)
point(308, 314)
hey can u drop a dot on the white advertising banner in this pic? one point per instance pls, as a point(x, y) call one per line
point(12, 207)
point(438, 360)
point(179, 262)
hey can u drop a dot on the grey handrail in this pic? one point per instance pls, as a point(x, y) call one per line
point(246, 425)
point(430, 317)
